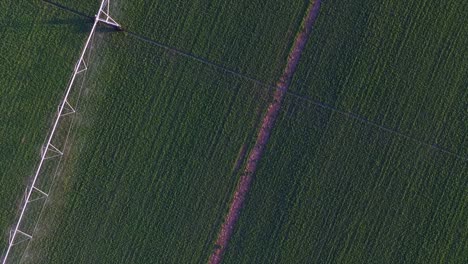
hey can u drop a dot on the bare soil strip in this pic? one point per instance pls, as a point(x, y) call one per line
point(264, 133)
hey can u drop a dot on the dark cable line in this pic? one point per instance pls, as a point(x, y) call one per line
point(195, 57)
point(299, 96)
point(374, 124)
point(268, 86)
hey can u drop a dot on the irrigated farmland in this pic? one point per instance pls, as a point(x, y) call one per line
point(367, 162)
point(403, 65)
point(38, 49)
point(154, 158)
point(377, 173)
point(336, 190)
point(251, 37)
point(224, 109)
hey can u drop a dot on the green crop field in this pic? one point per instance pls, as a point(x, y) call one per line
point(252, 37)
point(151, 163)
point(39, 46)
point(335, 190)
point(401, 65)
point(367, 162)
point(338, 188)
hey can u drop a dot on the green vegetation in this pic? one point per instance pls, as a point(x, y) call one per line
point(151, 163)
point(334, 189)
point(399, 64)
point(248, 36)
point(179, 125)
point(179, 108)
point(39, 46)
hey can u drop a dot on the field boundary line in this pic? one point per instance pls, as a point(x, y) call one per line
point(65, 108)
point(266, 127)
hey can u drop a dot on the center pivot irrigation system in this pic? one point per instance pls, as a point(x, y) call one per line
point(33, 192)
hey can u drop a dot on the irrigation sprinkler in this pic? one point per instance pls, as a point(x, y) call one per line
point(33, 193)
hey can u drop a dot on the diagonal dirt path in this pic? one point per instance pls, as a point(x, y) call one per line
point(264, 133)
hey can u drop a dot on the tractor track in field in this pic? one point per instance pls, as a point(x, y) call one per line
point(264, 133)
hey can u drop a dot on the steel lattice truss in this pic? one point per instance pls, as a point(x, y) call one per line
point(33, 193)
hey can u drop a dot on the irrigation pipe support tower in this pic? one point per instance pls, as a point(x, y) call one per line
point(18, 236)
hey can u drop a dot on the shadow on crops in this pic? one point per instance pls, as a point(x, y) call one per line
point(106, 29)
point(81, 24)
point(65, 8)
point(78, 25)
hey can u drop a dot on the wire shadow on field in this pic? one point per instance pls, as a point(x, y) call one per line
point(305, 99)
point(262, 83)
point(302, 98)
point(197, 58)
